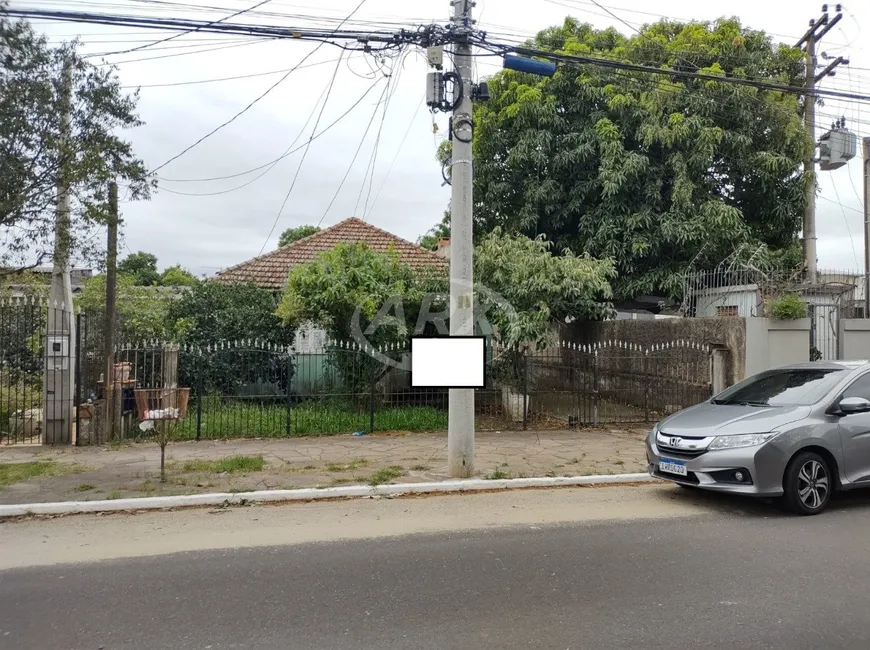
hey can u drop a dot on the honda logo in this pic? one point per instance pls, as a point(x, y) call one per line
point(674, 442)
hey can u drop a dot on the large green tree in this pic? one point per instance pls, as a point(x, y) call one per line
point(295, 234)
point(141, 267)
point(658, 173)
point(35, 155)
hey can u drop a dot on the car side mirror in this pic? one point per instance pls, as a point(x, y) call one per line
point(849, 405)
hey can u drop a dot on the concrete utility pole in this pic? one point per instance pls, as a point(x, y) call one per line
point(111, 301)
point(460, 419)
point(818, 28)
point(867, 227)
point(60, 326)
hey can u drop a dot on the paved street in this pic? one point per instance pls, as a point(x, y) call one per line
point(646, 567)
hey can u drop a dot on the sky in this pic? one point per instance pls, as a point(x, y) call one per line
point(206, 225)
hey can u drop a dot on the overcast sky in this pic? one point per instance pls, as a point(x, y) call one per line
point(209, 225)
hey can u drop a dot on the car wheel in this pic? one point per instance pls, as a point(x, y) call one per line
point(808, 484)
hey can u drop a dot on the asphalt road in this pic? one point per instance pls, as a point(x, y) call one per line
point(681, 571)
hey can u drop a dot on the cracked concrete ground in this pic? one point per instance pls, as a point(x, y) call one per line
point(133, 470)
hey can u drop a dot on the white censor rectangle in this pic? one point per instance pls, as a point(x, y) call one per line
point(448, 361)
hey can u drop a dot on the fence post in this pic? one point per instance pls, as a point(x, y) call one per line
point(77, 390)
point(289, 423)
point(646, 383)
point(595, 388)
point(200, 389)
point(372, 407)
point(525, 391)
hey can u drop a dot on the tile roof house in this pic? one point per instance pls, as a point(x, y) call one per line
point(271, 270)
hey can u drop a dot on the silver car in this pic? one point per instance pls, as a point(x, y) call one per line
point(799, 432)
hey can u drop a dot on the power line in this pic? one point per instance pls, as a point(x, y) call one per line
point(194, 30)
point(845, 221)
point(398, 151)
point(684, 74)
point(250, 105)
point(271, 164)
point(355, 155)
point(373, 159)
point(304, 154)
point(240, 113)
point(253, 75)
point(219, 48)
point(574, 4)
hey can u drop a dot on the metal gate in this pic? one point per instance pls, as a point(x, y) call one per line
point(824, 331)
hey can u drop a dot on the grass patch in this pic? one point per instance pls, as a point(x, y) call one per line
point(17, 472)
point(310, 467)
point(238, 490)
point(497, 474)
point(85, 487)
point(224, 420)
point(420, 468)
point(386, 475)
point(348, 467)
point(228, 465)
point(114, 495)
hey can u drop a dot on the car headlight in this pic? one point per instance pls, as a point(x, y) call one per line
point(747, 440)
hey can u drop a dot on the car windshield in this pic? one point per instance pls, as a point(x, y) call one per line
point(795, 387)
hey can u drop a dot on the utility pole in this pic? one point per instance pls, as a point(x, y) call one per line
point(818, 29)
point(60, 319)
point(111, 301)
point(460, 418)
point(867, 227)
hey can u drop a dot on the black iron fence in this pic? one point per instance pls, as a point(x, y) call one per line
point(256, 389)
point(37, 372)
point(259, 389)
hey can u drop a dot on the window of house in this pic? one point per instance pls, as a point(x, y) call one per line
point(726, 310)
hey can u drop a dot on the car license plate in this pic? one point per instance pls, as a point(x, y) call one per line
point(670, 466)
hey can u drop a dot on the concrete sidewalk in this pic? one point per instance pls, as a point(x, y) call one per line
point(133, 470)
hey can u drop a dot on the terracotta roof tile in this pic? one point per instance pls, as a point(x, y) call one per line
point(270, 271)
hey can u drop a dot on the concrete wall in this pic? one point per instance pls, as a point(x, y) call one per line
point(773, 343)
point(854, 339)
point(727, 334)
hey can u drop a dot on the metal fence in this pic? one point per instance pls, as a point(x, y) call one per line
point(36, 404)
point(256, 389)
point(259, 389)
point(744, 288)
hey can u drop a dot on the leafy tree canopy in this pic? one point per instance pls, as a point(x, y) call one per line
point(350, 287)
point(176, 276)
point(430, 239)
point(214, 312)
point(295, 234)
point(658, 173)
point(350, 277)
point(141, 267)
point(142, 310)
point(34, 155)
point(525, 288)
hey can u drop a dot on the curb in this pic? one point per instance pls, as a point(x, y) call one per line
point(311, 494)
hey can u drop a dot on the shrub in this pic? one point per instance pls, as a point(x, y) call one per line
point(789, 306)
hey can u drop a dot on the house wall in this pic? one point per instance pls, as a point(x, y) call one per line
point(745, 298)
